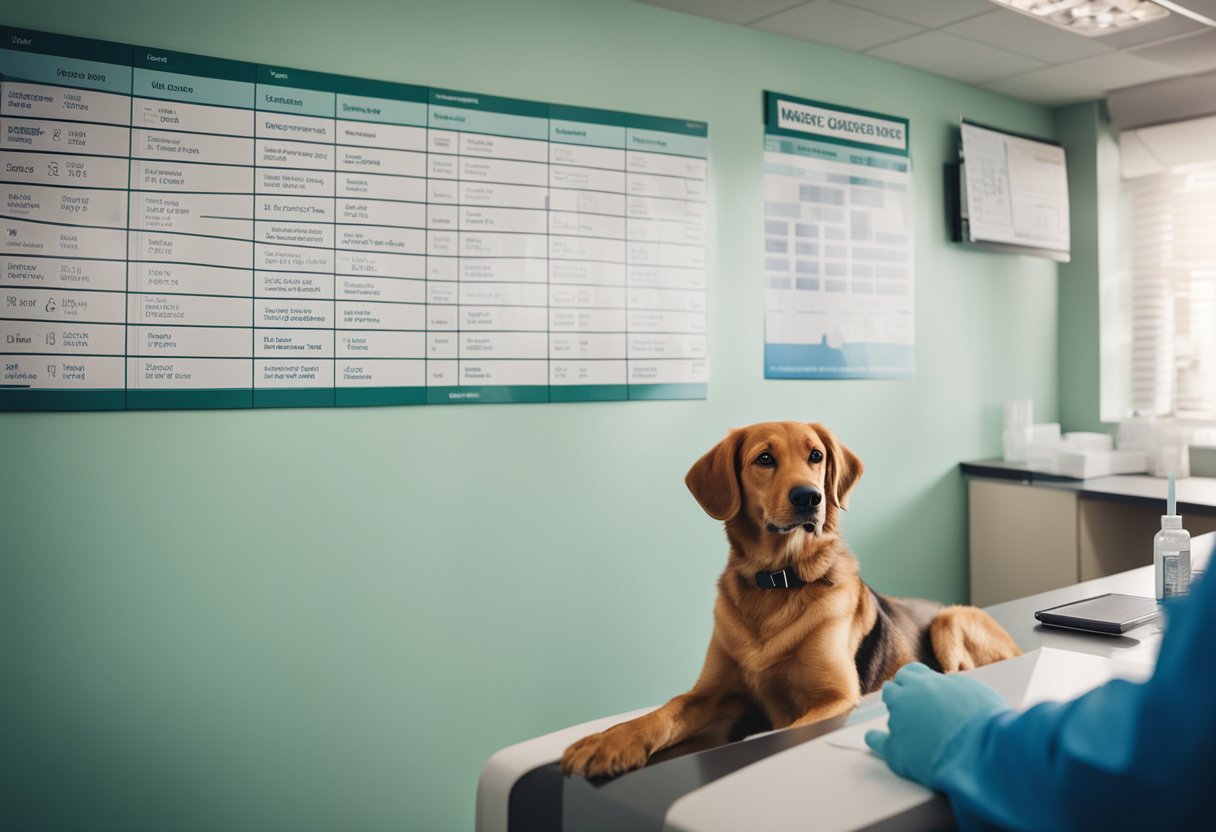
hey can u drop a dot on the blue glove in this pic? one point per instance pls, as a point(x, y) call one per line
point(925, 712)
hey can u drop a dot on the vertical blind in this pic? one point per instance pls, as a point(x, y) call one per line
point(1170, 226)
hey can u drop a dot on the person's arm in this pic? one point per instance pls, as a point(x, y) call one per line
point(1121, 755)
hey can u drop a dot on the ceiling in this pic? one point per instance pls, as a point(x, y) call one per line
point(981, 44)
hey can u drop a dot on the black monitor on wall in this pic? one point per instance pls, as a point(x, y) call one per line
point(1010, 193)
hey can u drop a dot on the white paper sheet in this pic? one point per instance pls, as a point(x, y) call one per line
point(1042, 675)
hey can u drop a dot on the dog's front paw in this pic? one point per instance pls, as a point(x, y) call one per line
point(606, 754)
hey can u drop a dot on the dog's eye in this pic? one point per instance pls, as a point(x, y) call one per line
point(766, 459)
point(816, 455)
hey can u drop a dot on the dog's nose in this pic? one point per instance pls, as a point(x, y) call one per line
point(805, 496)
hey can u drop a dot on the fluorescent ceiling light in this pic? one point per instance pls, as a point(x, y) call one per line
point(1089, 17)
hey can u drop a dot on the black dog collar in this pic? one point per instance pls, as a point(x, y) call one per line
point(785, 578)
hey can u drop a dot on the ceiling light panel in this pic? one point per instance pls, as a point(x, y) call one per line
point(1092, 18)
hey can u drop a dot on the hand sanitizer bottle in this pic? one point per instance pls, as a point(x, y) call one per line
point(1172, 552)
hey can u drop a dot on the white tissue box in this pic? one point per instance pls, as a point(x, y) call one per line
point(1045, 432)
point(1082, 465)
point(1043, 456)
point(1088, 464)
point(1128, 462)
point(1099, 442)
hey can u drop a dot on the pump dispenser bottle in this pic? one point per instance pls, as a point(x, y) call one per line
point(1172, 552)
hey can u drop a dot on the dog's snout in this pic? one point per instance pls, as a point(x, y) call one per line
point(805, 496)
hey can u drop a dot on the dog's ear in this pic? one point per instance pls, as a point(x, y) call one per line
point(843, 469)
point(713, 479)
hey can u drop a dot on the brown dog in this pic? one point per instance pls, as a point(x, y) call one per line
point(798, 637)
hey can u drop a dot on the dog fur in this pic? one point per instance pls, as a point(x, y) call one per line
point(789, 657)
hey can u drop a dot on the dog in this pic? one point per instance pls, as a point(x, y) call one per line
point(798, 637)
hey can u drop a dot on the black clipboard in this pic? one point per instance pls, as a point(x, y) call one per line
point(1109, 614)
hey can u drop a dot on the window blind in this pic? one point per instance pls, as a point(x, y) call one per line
point(1170, 228)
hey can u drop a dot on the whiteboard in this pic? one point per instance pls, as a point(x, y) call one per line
point(1015, 190)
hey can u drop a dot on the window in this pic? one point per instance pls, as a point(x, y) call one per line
point(1167, 225)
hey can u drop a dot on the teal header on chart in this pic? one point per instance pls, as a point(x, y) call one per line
point(489, 103)
point(596, 135)
point(182, 63)
point(381, 110)
point(451, 110)
point(834, 152)
point(680, 127)
point(294, 100)
point(589, 115)
point(45, 43)
point(654, 141)
point(472, 121)
point(192, 88)
point(149, 72)
point(65, 72)
point(295, 91)
point(341, 84)
point(787, 115)
point(384, 90)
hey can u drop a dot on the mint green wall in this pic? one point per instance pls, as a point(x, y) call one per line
point(1079, 127)
point(1094, 182)
point(312, 619)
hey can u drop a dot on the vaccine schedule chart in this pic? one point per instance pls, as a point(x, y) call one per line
point(838, 234)
point(180, 231)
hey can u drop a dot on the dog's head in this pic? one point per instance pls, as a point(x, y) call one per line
point(782, 478)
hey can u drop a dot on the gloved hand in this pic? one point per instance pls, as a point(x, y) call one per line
point(925, 711)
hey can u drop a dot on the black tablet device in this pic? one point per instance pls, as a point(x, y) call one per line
point(1111, 613)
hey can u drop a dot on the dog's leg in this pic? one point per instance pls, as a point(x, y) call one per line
point(826, 684)
point(720, 731)
point(964, 638)
point(629, 745)
point(835, 690)
point(827, 710)
point(716, 702)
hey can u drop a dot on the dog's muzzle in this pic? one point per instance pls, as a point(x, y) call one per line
point(805, 499)
point(807, 525)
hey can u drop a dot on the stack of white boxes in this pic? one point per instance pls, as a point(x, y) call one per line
point(1145, 444)
point(1080, 454)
